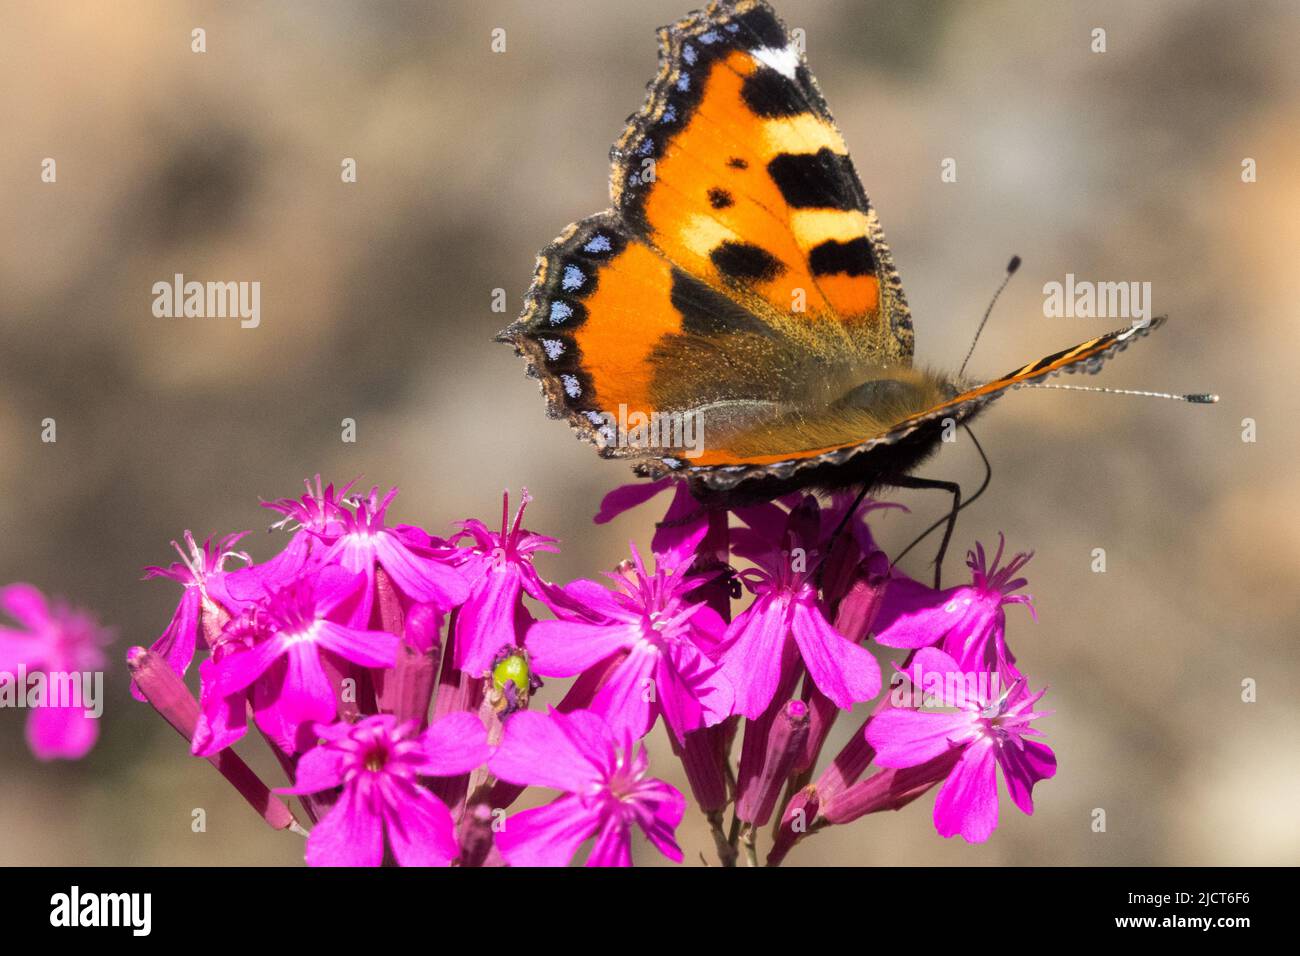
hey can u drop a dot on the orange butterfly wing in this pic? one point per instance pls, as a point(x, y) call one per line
point(741, 266)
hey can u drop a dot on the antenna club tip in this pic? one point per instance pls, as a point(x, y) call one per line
point(1013, 265)
point(1203, 399)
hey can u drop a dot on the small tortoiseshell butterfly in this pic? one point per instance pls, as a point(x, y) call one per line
point(742, 278)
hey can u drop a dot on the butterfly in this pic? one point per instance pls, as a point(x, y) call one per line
point(741, 284)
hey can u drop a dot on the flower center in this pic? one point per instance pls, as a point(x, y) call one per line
point(375, 759)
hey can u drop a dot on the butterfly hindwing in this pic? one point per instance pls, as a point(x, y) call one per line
point(769, 453)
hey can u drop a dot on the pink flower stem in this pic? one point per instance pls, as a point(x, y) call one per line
point(311, 804)
point(705, 753)
point(168, 695)
point(888, 789)
point(412, 683)
point(475, 834)
point(785, 743)
point(799, 814)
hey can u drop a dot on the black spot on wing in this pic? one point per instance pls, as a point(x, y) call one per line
point(735, 162)
point(762, 26)
point(820, 180)
point(852, 258)
point(707, 312)
point(719, 198)
point(743, 260)
point(769, 93)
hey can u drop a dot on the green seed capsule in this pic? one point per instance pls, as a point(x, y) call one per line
point(514, 669)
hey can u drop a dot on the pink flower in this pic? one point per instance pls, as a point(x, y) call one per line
point(297, 624)
point(52, 639)
point(966, 622)
point(682, 527)
point(417, 564)
point(378, 763)
point(666, 641)
point(785, 623)
point(201, 572)
point(990, 731)
point(315, 519)
point(499, 569)
point(606, 792)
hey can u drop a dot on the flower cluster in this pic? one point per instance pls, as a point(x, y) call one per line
point(393, 672)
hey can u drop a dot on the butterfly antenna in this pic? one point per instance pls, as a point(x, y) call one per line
point(1196, 398)
point(1012, 266)
point(988, 476)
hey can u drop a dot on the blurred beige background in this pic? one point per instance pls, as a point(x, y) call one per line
point(376, 306)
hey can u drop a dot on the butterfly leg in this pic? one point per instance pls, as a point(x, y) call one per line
point(839, 529)
point(689, 518)
point(848, 516)
point(954, 489)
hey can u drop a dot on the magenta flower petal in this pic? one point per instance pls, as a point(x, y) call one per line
point(178, 642)
point(606, 780)
point(367, 648)
point(420, 578)
point(222, 720)
point(420, 829)
point(549, 835)
point(903, 737)
point(351, 834)
point(987, 729)
point(628, 699)
point(967, 622)
point(695, 692)
point(666, 807)
point(306, 695)
point(536, 751)
point(843, 671)
point(626, 497)
point(332, 585)
point(25, 604)
point(683, 527)
point(379, 762)
point(486, 620)
point(914, 615)
point(1023, 768)
point(61, 732)
point(238, 671)
point(931, 671)
point(613, 845)
point(752, 657)
point(967, 803)
point(321, 768)
point(564, 648)
point(454, 745)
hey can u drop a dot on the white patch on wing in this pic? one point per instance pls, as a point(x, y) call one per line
point(785, 60)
